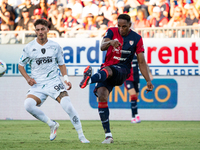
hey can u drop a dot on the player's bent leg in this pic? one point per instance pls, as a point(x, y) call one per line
point(38, 101)
point(30, 106)
point(101, 76)
point(74, 118)
point(104, 114)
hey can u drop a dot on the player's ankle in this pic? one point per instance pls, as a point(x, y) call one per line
point(108, 134)
point(80, 133)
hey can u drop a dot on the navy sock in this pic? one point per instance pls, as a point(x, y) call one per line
point(134, 105)
point(100, 76)
point(104, 115)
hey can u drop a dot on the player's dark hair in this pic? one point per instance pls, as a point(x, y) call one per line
point(41, 21)
point(125, 17)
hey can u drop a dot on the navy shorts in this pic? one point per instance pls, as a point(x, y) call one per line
point(120, 74)
point(132, 84)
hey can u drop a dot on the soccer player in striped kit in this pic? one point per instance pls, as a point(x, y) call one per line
point(121, 44)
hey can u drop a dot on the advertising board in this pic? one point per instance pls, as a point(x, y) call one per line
point(166, 57)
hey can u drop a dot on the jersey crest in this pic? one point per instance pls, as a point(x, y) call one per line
point(131, 42)
point(43, 50)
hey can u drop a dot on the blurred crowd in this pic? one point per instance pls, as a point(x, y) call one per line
point(94, 15)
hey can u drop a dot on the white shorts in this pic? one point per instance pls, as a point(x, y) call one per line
point(53, 89)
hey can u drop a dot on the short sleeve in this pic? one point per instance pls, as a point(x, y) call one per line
point(139, 46)
point(60, 58)
point(109, 34)
point(24, 59)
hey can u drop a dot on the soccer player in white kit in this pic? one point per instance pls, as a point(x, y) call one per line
point(43, 56)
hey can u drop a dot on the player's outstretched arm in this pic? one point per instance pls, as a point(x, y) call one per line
point(63, 71)
point(30, 80)
point(144, 70)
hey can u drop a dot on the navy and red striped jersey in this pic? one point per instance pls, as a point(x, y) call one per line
point(130, 44)
point(134, 73)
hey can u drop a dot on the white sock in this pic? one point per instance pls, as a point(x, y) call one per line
point(69, 109)
point(30, 106)
point(108, 134)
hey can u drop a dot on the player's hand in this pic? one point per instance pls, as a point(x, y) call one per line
point(149, 86)
point(68, 84)
point(115, 43)
point(31, 81)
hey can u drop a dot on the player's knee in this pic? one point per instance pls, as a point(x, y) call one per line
point(110, 72)
point(134, 97)
point(29, 103)
point(102, 98)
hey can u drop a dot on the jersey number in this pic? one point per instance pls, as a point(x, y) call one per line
point(58, 87)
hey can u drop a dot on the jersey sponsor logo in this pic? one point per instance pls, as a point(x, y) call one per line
point(43, 60)
point(33, 50)
point(43, 50)
point(125, 51)
point(119, 58)
point(164, 96)
point(131, 42)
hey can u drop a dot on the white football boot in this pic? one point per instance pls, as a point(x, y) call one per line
point(108, 140)
point(53, 131)
point(83, 139)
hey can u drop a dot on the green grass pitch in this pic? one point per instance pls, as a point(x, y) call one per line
point(167, 135)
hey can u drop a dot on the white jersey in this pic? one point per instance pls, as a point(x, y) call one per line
point(43, 60)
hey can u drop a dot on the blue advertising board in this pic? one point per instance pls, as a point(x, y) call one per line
point(164, 96)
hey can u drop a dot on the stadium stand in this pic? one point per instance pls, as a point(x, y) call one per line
point(77, 18)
